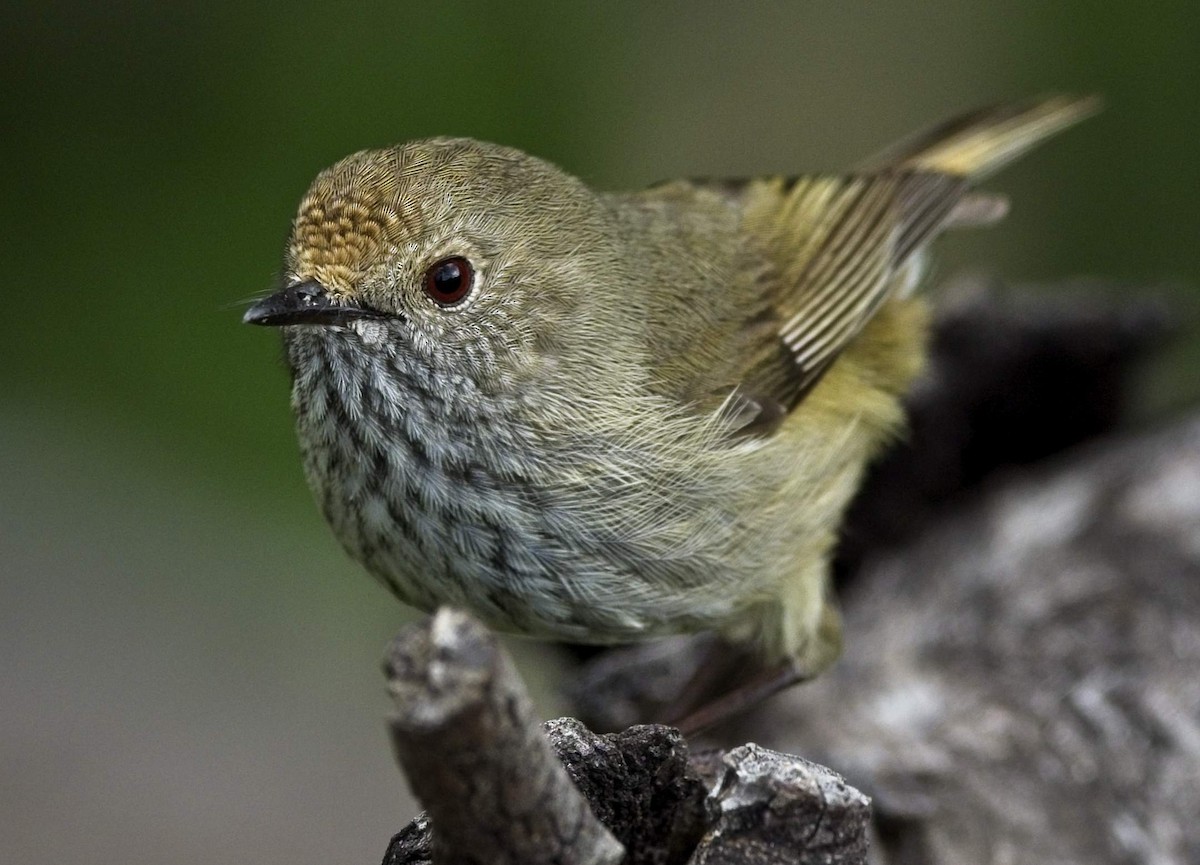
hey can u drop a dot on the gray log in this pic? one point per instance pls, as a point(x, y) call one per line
point(1023, 685)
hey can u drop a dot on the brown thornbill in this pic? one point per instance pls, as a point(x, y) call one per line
point(603, 417)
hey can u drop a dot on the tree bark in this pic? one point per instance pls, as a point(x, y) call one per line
point(1023, 683)
point(496, 791)
point(465, 733)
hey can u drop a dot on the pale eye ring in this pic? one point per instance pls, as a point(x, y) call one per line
point(449, 280)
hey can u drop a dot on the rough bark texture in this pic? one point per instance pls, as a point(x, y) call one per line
point(1023, 684)
point(465, 733)
point(773, 808)
point(640, 784)
point(497, 793)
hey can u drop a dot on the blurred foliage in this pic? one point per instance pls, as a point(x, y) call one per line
point(154, 153)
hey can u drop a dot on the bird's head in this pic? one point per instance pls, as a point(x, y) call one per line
point(480, 259)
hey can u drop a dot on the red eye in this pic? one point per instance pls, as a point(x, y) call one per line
point(450, 280)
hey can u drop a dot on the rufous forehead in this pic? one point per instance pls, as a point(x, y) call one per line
point(339, 240)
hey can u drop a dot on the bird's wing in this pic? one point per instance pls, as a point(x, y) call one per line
point(822, 253)
point(815, 257)
point(835, 248)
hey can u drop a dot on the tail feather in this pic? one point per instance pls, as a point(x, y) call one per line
point(977, 144)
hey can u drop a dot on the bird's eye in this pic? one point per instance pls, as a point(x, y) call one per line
point(450, 280)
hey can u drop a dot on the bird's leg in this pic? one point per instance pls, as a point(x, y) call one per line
point(691, 682)
point(719, 666)
point(643, 683)
point(762, 685)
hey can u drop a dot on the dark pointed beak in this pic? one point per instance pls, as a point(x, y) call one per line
point(304, 303)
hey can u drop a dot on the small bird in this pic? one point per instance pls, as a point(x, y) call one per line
point(604, 417)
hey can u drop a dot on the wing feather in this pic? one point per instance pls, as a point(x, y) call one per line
point(822, 253)
point(871, 226)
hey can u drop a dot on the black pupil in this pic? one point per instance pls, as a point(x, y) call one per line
point(448, 278)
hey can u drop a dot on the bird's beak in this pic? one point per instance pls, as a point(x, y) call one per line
point(304, 303)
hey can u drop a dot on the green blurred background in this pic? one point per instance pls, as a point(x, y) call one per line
point(188, 664)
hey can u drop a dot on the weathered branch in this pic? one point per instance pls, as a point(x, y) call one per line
point(497, 793)
point(1023, 683)
point(465, 733)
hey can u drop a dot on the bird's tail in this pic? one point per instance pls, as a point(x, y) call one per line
point(977, 144)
